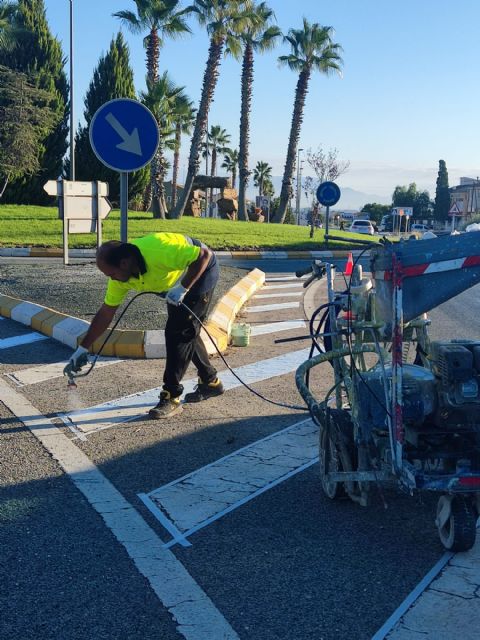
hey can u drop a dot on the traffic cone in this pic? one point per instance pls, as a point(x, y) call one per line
point(349, 265)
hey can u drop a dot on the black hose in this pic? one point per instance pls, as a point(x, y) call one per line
point(162, 295)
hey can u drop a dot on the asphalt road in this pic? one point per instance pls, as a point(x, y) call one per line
point(285, 565)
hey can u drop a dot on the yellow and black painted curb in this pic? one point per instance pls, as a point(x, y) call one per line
point(132, 343)
point(223, 256)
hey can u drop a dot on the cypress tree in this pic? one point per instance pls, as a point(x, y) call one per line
point(113, 78)
point(442, 194)
point(39, 55)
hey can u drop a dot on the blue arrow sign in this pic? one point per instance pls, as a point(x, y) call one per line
point(124, 135)
point(328, 194)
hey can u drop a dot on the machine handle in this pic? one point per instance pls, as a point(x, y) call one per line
point(303, 272)
point(309, 281)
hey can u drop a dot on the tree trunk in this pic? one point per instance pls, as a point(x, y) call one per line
point(246, 100)
point(176, 160)
point(158, 184)
point(4, 186)
point(208, 89)
point(234, 177)
point(147, 195)
point(297, 119)
point(153, 55)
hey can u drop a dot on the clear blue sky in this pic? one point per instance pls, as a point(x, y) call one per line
point(409, 94)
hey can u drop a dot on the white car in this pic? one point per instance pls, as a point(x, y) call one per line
point(362, 226)
point(419, 227)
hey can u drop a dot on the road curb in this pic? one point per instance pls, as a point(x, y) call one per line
point(223, 256)
point(131, 343)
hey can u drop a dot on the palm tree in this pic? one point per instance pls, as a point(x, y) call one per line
point(161, 98)
point(8, 29)
point(160, 19)
point(230, 163)
point(183, 120)
point(217, 142)
point(259, 35)
point(312, 50)
point(262, 174)
point(221, 18)
point(268, 188)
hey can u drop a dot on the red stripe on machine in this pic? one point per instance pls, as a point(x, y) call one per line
point(434, 267)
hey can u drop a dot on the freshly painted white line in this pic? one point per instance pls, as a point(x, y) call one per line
point(443, 599)
point(120, 410)
point(203, 496)
point(196, 615)
point(165, 522)
point(273, 307)
point(282, 286)
point(273, 327)
point(412, 596)
point(17, 341)
point(284, 294)
point(43, 372)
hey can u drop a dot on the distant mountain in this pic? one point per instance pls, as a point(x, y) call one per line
point(350, 198)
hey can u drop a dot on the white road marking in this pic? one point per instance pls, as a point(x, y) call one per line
point(17, 341)
point(43, 372)
point(273, 327)
point(199, 498)
point(196, 616)
point(284, 278)
point(273, 307)
point(283, 294)
point(442, 603)
point(120, 410)
point(281, 286)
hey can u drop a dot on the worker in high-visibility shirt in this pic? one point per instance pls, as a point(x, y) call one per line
point(187, 271)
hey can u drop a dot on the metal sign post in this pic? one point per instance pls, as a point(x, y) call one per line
point(328, 194)
point(124, 137)
point(81, 206)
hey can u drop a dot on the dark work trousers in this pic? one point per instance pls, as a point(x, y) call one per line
point(184, 344)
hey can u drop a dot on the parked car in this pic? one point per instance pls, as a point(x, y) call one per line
point(419, 227)
point(362, 226)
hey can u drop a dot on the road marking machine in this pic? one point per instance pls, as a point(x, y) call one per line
point(402, 406)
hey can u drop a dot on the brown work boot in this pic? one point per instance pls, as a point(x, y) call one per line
point(166, 408)
point(205, 391)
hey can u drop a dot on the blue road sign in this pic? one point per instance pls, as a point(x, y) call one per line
point(124, 135)
point(328, 194)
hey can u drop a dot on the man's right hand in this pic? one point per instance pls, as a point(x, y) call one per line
point(78, 359)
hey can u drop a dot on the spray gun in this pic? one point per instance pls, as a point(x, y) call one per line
point(73, 369)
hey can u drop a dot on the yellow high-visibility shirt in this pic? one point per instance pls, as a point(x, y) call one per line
point(166, 256)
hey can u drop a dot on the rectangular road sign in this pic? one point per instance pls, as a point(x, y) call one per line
point(69, 188)
point(82, 226)
point(84, 207)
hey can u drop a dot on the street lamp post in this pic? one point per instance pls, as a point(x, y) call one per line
point(299, 190)
point(72, 130)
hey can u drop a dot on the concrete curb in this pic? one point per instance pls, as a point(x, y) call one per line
point(223, 256)
point(132, 343)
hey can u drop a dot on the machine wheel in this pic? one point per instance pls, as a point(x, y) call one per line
point(456, 523)
point(331, 454)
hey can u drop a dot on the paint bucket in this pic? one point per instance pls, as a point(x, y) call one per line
point(241, 334)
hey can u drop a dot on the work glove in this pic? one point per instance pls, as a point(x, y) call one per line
point(176, 294)
point(78, 359)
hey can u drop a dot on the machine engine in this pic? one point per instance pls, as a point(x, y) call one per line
point(447, 396)
point(456, 366)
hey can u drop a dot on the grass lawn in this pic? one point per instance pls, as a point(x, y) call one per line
point(30, 226)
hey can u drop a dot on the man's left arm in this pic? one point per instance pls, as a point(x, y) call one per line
point(192, 275)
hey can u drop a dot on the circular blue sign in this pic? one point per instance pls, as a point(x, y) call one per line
point(124, 134)
point(328, 194)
